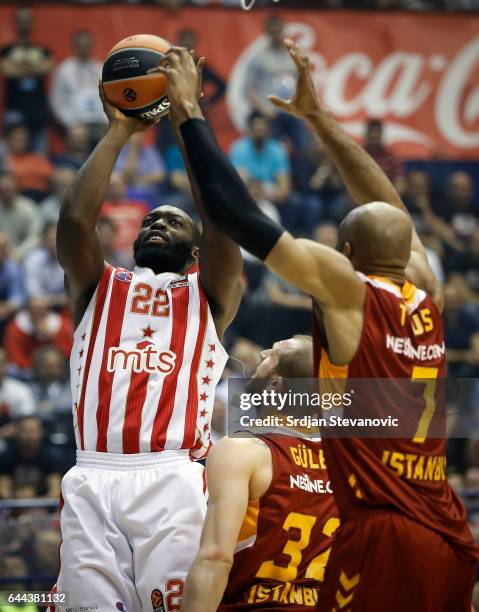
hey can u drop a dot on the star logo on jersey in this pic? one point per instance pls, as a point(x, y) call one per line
point(83, 337)
point(206, 380)
point(81, 353)
point(210, 363)
point(203, 413)
point(203, 397)
point(206, 427)
point(148, 332)
point(212, 348)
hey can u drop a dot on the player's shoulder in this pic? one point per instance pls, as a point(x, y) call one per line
point(237, 453)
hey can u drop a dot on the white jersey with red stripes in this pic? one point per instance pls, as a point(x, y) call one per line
point(145, 363)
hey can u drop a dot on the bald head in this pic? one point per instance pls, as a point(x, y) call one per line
point(376, 237)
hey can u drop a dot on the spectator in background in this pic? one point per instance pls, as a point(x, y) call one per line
point(318, 171)
point(107, 236)
point(25, 66)
point(272, 72)
point(467, 262)
point(19, 217)
point(142, 169)
point(214, 87)
point(33, 327)
point(461, 321)
point(459, 208)
point(391, 165)
point(32, 466)
point(74, 93)
point(16, 399)
point(51, 387)
point(418, 195)
point(32, 171)
point(125, 213)
point(452, 219)
point(12, 295)
point(77, 148)
point(62, 180)
point(180, 194)
point(44, 276)
point(262, 158)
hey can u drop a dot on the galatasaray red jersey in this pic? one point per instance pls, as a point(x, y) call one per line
point(144, 364)
point(402, 338)
point(285, 539)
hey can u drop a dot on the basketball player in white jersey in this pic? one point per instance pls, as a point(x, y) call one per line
point(144, 365)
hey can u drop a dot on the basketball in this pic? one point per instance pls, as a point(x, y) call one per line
point(126, 81)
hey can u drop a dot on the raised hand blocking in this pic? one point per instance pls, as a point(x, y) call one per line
point(305, 101)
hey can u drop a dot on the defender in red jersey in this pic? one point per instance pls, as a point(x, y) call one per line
point(404, 543)
point(271, 514)
point(145, 362)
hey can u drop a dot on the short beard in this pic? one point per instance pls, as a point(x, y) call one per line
point(164, 257)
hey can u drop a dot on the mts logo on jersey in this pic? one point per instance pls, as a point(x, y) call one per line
point(148, 359)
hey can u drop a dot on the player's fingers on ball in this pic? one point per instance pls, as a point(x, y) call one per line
point(179, 52)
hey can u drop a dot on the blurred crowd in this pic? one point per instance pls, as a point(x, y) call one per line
point(48, 133)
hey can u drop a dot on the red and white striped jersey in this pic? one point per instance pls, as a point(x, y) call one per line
point(145, 363)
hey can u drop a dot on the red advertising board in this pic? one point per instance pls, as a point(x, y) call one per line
point(418, 72)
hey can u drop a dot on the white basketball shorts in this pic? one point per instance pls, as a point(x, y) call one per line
point(131, 526)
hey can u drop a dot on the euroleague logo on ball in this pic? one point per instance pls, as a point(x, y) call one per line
point(129, 94)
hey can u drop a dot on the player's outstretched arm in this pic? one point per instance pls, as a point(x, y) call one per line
point(229, 470)
point(317, 270)
point(220, 259)
point(364, 179)
point(79, 251)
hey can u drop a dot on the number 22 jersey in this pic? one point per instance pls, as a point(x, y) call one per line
point(145, 363)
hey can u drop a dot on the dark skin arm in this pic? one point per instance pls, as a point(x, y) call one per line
point(319, 271)
point(220, 260)
point(78, 246)
point(364, 179)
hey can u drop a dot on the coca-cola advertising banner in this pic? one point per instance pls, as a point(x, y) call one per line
point(418, 72)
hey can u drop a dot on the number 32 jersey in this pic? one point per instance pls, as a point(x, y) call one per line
point(145, 363)
point(285, 540)
point(402, 341)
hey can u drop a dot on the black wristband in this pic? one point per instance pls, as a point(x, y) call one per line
point(225, 197)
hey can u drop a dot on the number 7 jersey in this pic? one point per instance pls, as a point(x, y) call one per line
point(402, 338)
point(145, 363)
